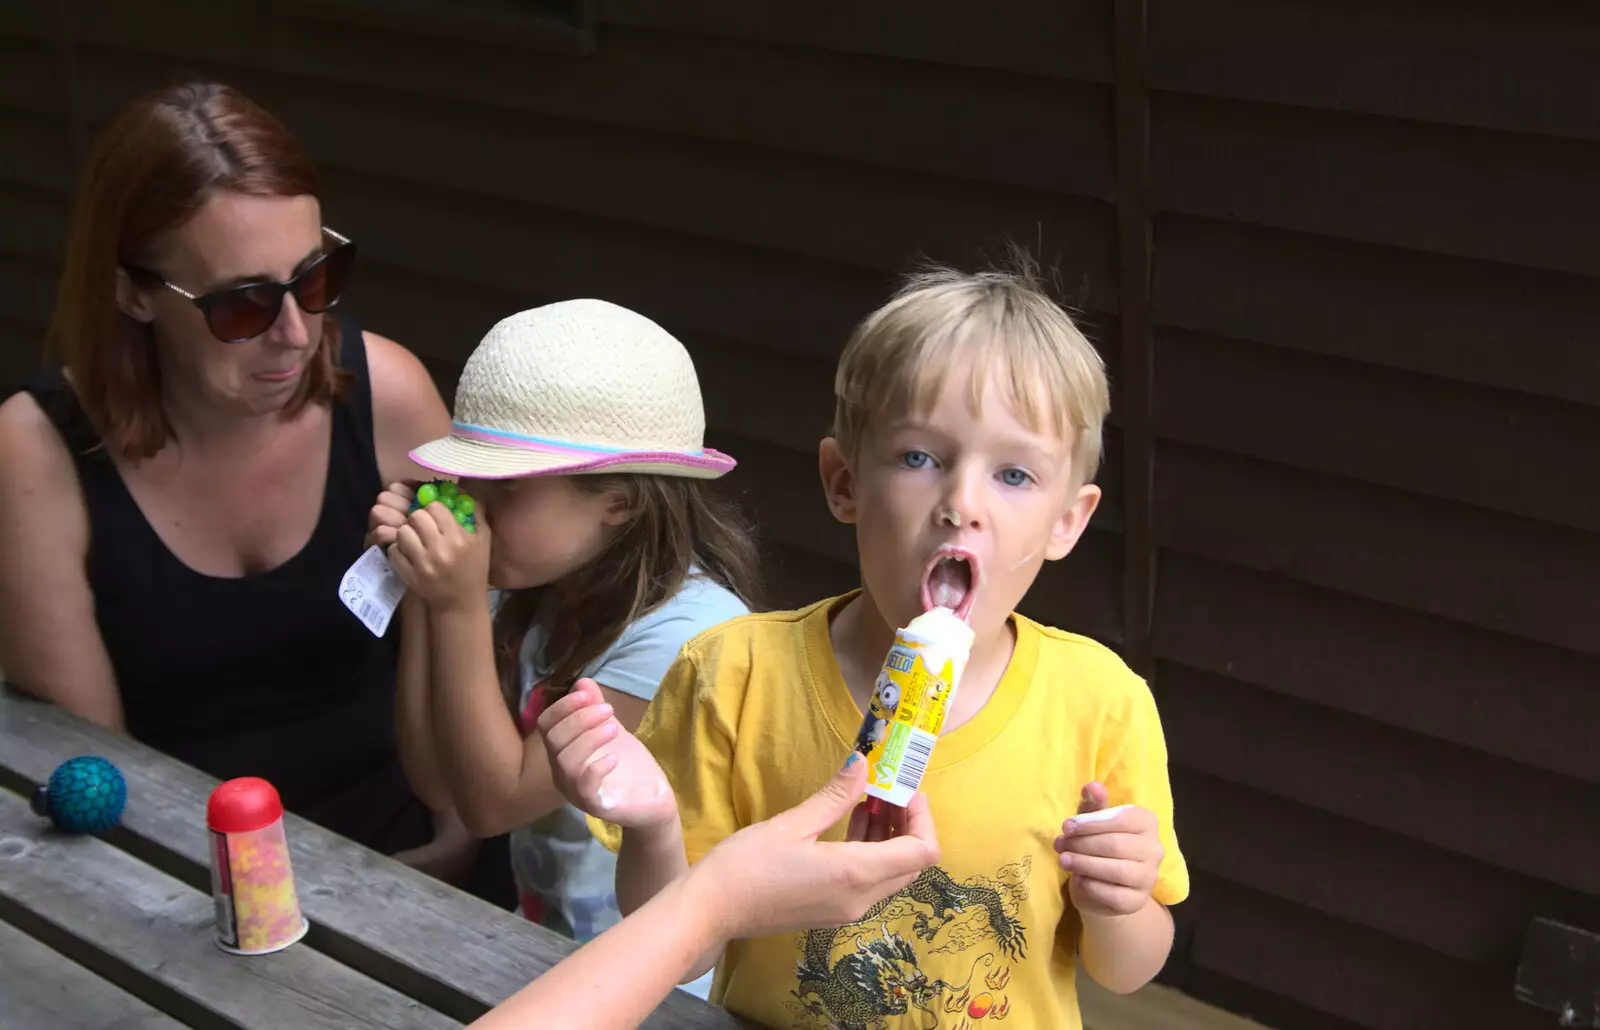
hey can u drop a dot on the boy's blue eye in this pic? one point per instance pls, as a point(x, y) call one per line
point(1014, 477)
point(916, 459)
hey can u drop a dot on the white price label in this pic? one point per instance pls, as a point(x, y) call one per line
point(371, 590)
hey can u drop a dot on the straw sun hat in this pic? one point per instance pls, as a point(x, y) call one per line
point(574, 387)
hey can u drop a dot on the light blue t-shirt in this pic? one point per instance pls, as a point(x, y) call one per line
point(566, 878)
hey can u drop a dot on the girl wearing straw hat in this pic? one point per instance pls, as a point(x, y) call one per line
point(579, 431)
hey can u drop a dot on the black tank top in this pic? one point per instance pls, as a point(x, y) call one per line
point(265, 675)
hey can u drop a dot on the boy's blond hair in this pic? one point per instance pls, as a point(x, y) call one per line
point(898, 357)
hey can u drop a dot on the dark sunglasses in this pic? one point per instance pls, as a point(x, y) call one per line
point(240, 313)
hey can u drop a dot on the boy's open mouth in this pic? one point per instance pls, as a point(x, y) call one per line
point(950, 581)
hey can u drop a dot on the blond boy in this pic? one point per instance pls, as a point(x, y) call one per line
point(968, 425)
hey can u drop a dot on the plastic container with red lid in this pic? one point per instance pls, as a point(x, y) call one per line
point(252, 884)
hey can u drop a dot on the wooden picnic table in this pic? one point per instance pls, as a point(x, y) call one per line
point(118, 931)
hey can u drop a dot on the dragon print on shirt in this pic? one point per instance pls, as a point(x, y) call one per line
point(863, 975)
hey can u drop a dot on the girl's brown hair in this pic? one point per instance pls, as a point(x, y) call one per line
point(152, 167)
point(677, 523)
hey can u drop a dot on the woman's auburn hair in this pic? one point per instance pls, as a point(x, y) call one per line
point(153, 165)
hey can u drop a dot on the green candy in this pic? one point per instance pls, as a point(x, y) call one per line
point(461, 505)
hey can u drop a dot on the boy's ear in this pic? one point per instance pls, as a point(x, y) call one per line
point(1064, 535)
point(132, 301)
point(838, 482)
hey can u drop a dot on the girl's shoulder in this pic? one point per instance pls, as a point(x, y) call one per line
point(644, 650)
point(699, 604)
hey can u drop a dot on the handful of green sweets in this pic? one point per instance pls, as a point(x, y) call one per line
point(461, 505)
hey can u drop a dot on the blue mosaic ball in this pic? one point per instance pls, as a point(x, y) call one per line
point(84, 795)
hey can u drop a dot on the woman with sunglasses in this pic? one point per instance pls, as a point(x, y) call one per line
point(184, 494)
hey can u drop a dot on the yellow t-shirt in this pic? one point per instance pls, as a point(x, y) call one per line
point(755, 716)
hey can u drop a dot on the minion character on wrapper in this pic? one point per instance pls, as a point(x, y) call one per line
point(885, 699)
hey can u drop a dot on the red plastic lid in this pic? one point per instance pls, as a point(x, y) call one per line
point(242, 805)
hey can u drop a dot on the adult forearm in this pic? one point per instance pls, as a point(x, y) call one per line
point(1123, 953)
point(617, 979)
point(649, 862)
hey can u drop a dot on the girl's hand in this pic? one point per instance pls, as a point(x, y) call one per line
point(388, 515)
point(599, 766)
point(446, 566)
point(776, 877)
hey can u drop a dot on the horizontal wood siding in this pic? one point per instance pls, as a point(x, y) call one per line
point(1376, 400)
point(1372, 396)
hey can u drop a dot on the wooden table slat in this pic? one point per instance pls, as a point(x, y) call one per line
point(451, 951)
point(42, 987)
point(151, 934)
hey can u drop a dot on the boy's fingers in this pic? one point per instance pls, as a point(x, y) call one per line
point(1108, 870)
point(1111, 895)
point(1103, 845)
point(1121, 819)
point(1092, 798)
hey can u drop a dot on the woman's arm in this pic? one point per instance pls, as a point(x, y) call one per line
point(50, 645)
point(406, 408)
point(773, 877)
point(617, 979)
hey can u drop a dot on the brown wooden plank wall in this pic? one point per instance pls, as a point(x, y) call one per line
point(1368, 387)
point(1376, 400)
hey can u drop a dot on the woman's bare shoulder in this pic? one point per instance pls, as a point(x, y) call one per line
point(32, 450)
point(406, 407)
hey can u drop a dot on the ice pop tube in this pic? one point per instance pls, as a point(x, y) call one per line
point(909, 701)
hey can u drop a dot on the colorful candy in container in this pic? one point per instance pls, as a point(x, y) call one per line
point(909, 702)
point(258, 908)
point(461, 505)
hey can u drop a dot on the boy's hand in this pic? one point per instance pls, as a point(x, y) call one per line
point(1114, 861)
point(601, 767)
point(434, 556)
point(388, 515)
